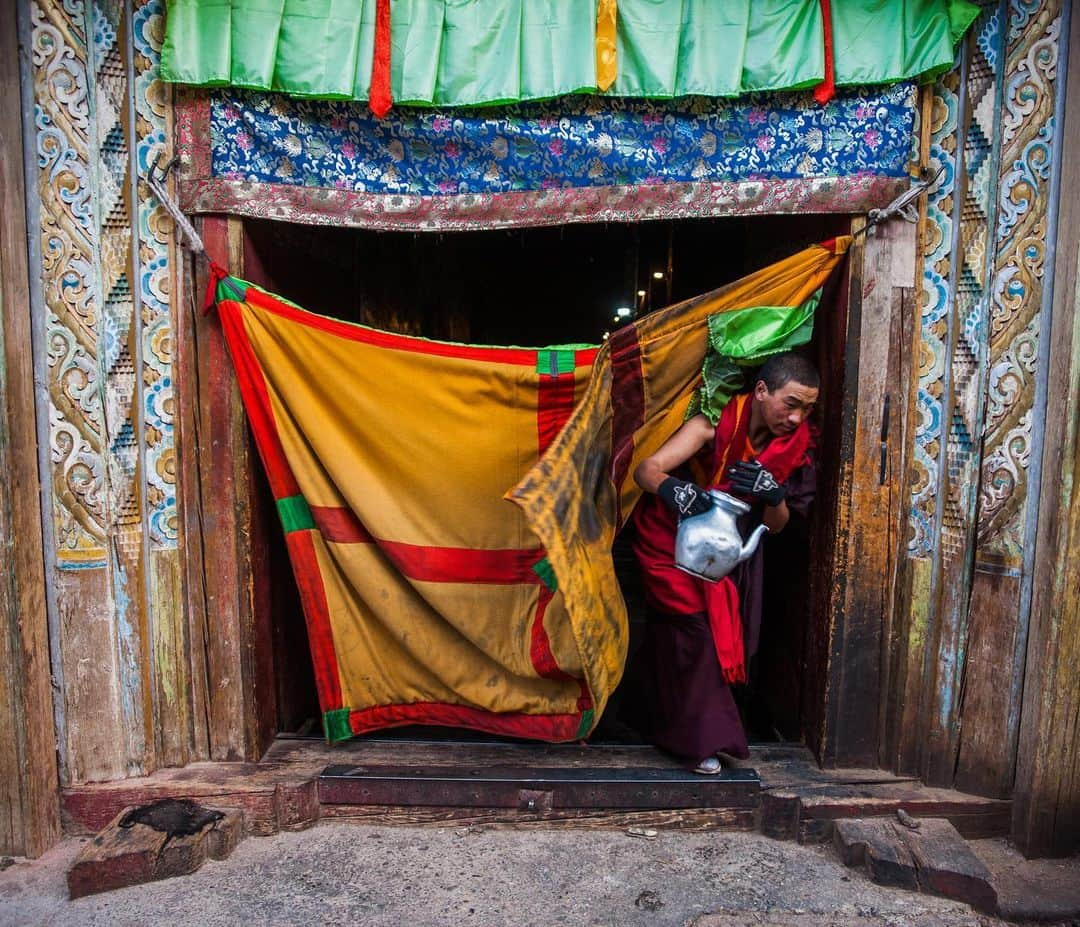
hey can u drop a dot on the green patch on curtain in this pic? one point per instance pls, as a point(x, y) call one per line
point(546, 574)
point(489, 52)
point(336, 725)
point(295, 514)
point(554, 361)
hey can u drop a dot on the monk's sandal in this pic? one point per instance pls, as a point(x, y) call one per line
point(709, 766)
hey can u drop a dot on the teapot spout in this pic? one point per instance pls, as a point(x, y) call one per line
point(752, 544)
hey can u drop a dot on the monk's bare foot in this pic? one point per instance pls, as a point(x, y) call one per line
point(709, 766)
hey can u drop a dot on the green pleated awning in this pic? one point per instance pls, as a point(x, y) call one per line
point(473, 52)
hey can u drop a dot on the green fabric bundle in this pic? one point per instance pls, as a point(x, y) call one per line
point(745, 338)
point(472, 52)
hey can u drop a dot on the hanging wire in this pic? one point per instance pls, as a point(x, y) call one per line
point(155, 180)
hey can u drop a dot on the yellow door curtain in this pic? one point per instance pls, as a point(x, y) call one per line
point(449, 509)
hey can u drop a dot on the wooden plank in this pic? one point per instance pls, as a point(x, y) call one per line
point(222, 639)
point(121, 856)
point(172, 676)
point(897, 477)
point(216, 467)
point(172, 583)
point(985, 762)
point(538, 756)
point(694, 819)
point(29, 787)
point(871, 505)
point(87, 809)
point(973, 816)
point(875, 801)
point(901, 736)
point(951, 572)
point(832, 364)
point(1046, 819)
point(115, 858)
point(932, 858)
point(94, 734)
point(903, 739)
point(189, 480)
point(778, 815)
point(876, 845)
point(947, 866)
point(175, 729)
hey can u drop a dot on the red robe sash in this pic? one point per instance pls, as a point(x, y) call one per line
point(669, 589)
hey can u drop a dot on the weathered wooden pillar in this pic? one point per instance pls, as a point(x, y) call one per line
point(870, 513)
point(29, 807)
point(224, 552)
point(1046, 801)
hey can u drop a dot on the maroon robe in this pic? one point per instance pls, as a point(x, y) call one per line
point(686, 706)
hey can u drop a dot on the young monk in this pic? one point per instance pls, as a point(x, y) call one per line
point(700, 635)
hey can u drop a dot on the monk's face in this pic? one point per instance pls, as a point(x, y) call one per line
point(787, 407)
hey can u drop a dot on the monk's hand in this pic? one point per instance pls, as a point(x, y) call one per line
point(750, 478)
point(686, 499)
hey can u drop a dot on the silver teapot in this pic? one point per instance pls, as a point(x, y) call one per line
point(709, 545)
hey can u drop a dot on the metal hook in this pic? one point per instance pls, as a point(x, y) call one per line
point(903, 206)
point(156, 174)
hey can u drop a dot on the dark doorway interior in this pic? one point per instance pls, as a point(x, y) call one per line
point(561, 285)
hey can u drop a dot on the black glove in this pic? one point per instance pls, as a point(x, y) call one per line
point(686, 499)
point(749, 478)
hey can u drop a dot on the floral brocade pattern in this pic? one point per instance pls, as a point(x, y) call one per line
point(570, 143)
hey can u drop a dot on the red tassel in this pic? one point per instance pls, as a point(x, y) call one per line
point(826, 90)
point(379, 98)
point(217, 274)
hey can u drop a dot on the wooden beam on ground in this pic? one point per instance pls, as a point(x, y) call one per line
point(932, 858)
point(130, 855)
point(29, 788)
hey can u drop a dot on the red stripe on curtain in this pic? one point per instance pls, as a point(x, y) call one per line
point(301, 546)
point(540, 653)
point(462, 565)
point(513, 724)
point(340, 525)
point(256, 398)
point(508, 566)
point(554, 405)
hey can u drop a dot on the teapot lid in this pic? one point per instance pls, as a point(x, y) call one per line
point(728, 502)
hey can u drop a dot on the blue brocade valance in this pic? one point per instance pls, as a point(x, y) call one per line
point(576, 159)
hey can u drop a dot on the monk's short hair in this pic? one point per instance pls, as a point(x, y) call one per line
point(781, 369)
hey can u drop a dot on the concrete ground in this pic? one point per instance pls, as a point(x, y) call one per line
point(489, 877)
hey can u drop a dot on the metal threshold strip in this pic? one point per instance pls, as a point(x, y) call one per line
point(533, 788)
